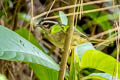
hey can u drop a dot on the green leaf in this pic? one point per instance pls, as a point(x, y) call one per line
point(24, 17)
point(80, 49)
point(27, 18)
point(63, 18)
point(76, 59)
point(92, 15)
point(28, 36)
point(104, 75)
point(15, 48)
point(65, 27)
point(93, 77)
point(42, 72)
point(100, 61)
point(2, 77)
point(72, 68)
point(103, 21)
point(96, 59)
point(56, 28)
point(80, 29)
point(99, 18)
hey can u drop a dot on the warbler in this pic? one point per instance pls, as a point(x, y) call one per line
point(58, 39)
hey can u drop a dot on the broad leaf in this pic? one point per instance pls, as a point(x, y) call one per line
point(80, 49)
point(25, 33)
point(90, 58)
point(15, 48)
point(63, 18)
point(42, 72)
point(100, 61)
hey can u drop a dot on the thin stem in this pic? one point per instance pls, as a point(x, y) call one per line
point(117, 40)
point(71, 6)
point(15, 17)
point(32, 20)
point(84, 12)
point(67, 44)
point(50, 8)
point(102, 34)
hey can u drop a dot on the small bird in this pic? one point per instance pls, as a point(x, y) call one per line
point(58, 38)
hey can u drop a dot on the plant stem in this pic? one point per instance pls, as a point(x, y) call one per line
point(67, 44)
point(71, 6)
point(15, 16)
point(84, 12)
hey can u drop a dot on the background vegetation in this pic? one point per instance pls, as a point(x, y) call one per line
point(27, 55)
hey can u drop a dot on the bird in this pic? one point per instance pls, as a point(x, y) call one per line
point(58, 38)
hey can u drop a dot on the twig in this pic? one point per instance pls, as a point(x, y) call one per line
point(107, 41)
point(102, 34)
point(117, 40)
point(15, 16)
point(11, 73)
point(84, 12)
point(67, 44)
point(71, 6)
point(32, 20)
point(31, 75)
point(50, 8)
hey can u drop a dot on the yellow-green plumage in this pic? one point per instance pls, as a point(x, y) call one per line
point(58, 38)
